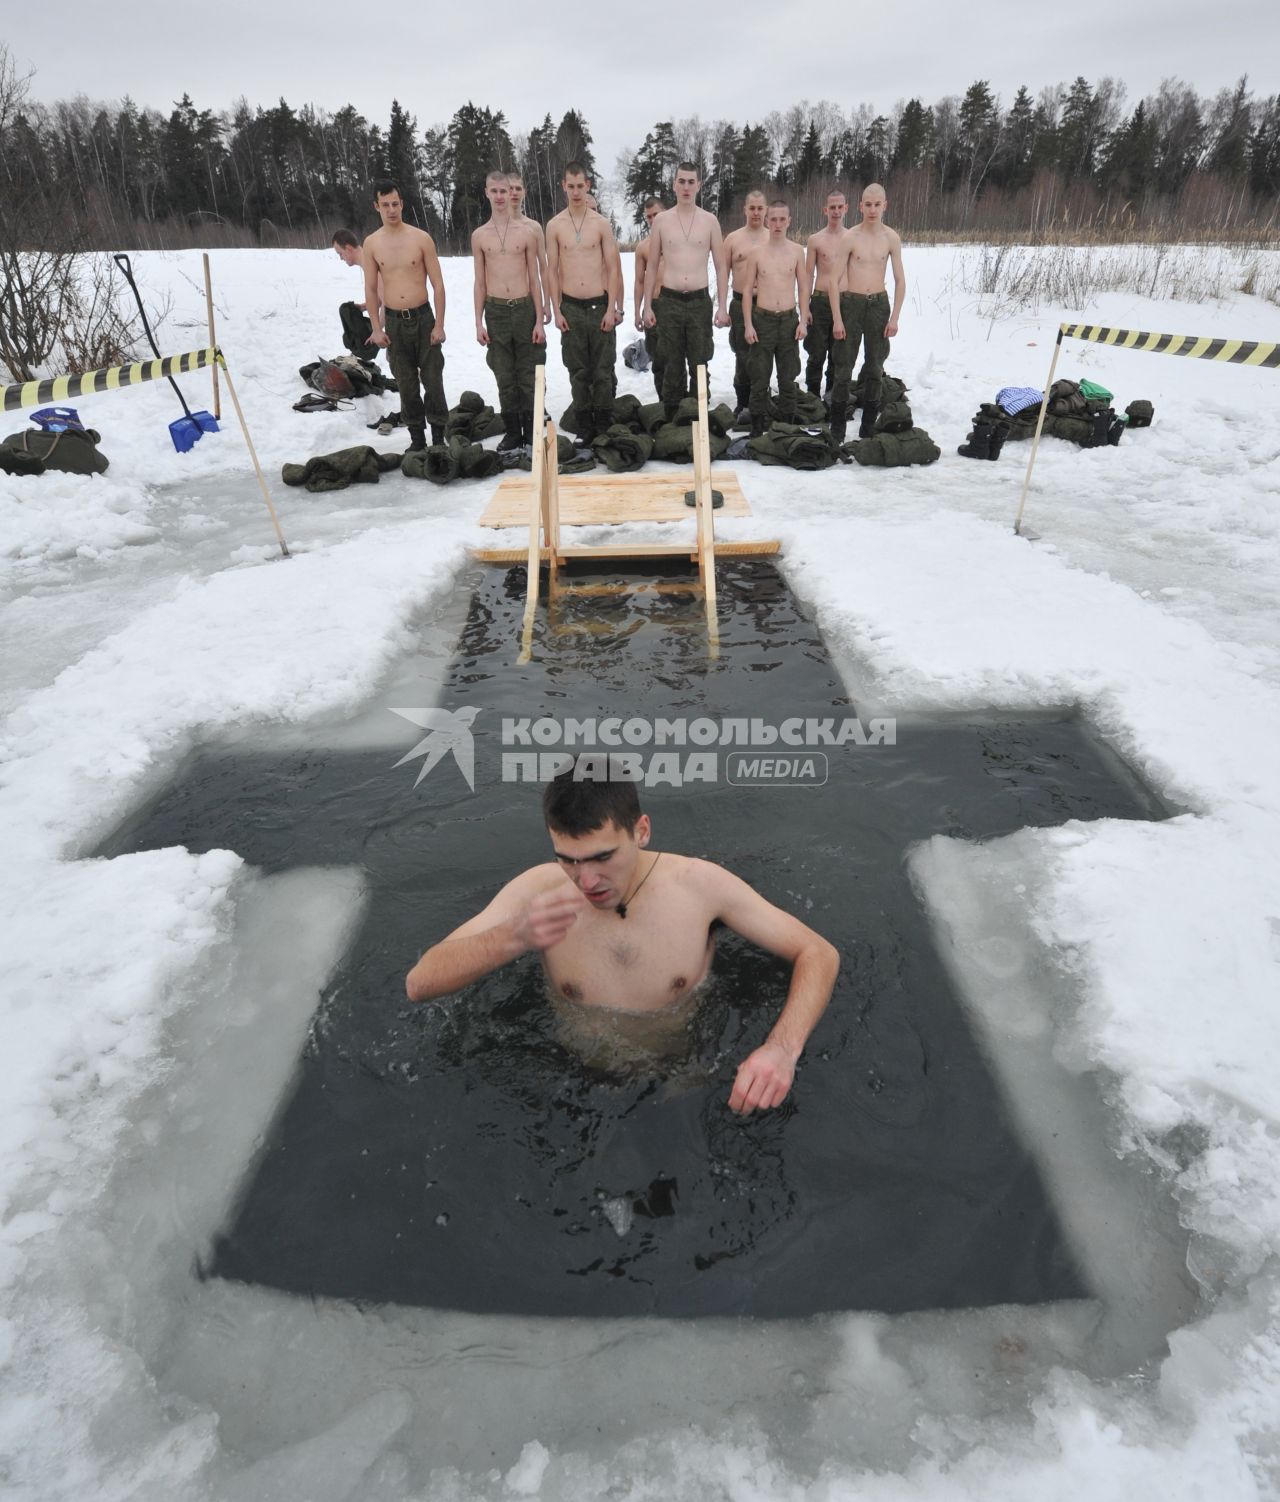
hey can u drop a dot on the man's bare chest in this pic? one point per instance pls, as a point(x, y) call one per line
point(631, 963)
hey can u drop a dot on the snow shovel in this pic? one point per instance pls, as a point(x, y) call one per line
point(188, 430)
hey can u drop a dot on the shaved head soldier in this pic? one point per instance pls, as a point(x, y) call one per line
point(508, 304)
point(775, 302)
point(403, 260)
point(684, 238)
point(652, 208)
point(585, 271)
point(860, 308)
point(739, 248)
point(516, 184)
point(819, 255)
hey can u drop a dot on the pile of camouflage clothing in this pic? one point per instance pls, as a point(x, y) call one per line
point(1079, 411)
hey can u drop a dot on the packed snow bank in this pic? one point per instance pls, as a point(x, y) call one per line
point(1168, 933)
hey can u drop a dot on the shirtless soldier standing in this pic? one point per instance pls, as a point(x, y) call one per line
point(405, 259)
point(516, 183)
point(652, 208)
point(738, 248)
point(682, 238)
point(585, 272)
point(819, 254)
point(857, 274)
point(627, 934)
point(772, 324)
point(508, 302)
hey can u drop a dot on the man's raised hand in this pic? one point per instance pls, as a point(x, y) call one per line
point(549, 917)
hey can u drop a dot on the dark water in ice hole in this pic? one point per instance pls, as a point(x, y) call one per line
point(457, 1155)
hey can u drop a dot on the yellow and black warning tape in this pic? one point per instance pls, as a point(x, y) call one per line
point(1190, 346)
point(64, 388)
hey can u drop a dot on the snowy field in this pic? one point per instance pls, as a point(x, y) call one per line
point(147, 609)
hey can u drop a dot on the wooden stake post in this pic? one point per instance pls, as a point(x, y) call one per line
point(1035, 442)
point(213, 338)
point(544, 525)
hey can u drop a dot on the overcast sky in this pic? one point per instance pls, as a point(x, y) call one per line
point(662, 61)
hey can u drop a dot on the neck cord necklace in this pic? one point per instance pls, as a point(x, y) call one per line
point(622, 906)
point(692, 218)
point(577, 228)
point(502, 239)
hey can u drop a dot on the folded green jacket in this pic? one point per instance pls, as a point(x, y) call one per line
point(472, 419)
point(888, 450)
point(798, 447)
point(452, 460)
point(360, 465)
point(619, 449)
point(674, 442)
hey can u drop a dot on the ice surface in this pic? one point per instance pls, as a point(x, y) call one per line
point(143, 612)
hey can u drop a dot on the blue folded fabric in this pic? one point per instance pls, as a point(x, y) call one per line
point(1018, 398)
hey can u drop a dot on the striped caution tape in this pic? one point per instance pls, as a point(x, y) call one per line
point(64, 388)
point(1231, 351)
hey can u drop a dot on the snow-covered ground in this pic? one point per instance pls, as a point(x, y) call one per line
point(148, 608)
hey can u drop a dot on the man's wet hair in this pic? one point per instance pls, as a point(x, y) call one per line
point(779, 203)
point(755, 193)
point(346, 237)
point(689, 167)
point(497, 176)
point(574, 169)
point(654, 203)
point(836, 193)
point(515, 177)
point(385, 185)
point(581, 805)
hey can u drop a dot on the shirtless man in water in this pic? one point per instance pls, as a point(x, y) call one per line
point(682, 239)
point(585, 272)
point(625, 930)
point(405, 260)
point(820, 253)
point(773, 322)
point(860, 311)
point(738, 247)
point(508, 302)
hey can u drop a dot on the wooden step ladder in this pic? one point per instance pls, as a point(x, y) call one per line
point(545, 545)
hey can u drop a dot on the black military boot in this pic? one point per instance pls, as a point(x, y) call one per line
point(978, 444)
point(603, 419)
point(437, 432)
point(839, 420)
point(526, 430)
point(1101, 423)
point(670, 409)
point(998, 435)
point(417, 438)
point(757, 424)
point(870, 412)
point(511, 435)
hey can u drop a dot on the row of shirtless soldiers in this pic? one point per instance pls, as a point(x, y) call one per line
point(829, 295)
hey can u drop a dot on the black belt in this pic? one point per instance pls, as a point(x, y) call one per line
point(508, 302)
point(585, 302)
point(686, 296)
point(423, 307)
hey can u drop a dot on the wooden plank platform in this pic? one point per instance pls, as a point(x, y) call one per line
point(764, 548)
point(601, 500)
